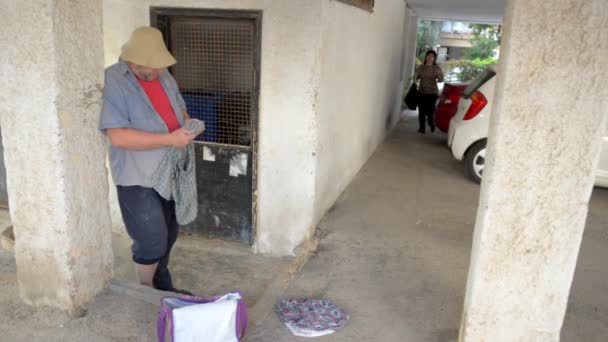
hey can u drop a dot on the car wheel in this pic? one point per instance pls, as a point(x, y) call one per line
point(475, 161)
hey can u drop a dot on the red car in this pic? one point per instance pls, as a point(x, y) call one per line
point(448, 105)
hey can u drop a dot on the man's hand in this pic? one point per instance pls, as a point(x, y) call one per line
point(181, 137)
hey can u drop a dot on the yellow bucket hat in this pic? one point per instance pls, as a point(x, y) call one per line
point(147, 48)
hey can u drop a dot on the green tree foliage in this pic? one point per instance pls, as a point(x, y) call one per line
point(487, 29)
point(485, 39)
point(427, 36)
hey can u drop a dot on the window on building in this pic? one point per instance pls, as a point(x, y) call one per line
point(364, 4)
point(446, 27)
point(456, 27)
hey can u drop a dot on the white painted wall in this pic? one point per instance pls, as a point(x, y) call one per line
point(361, 66)
point(289, 80)
point(330, 77)
point(120, 17)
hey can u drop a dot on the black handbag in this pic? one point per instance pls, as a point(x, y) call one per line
point(411, 99)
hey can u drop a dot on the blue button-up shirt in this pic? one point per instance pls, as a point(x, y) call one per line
point(126, 105)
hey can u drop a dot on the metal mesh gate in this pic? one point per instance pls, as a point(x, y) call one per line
point(218, 53)
point(215, 73)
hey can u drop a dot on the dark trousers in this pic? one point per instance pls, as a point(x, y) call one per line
point(151, 223)
point(426, 109)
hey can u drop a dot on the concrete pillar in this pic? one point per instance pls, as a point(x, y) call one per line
point(551, 107)
point(52, 72)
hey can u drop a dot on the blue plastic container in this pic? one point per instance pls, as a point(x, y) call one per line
point(204, 106)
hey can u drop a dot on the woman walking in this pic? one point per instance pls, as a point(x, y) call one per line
point(429, 73)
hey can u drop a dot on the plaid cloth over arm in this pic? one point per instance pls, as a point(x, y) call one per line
point(175, 177)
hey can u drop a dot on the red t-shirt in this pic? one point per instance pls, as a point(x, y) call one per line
point(160, 101)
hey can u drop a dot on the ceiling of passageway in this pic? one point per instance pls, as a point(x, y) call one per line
point(487, 11)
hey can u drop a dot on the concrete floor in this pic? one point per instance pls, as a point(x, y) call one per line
point(394, 252)
point(208, 266)
point(127, 312)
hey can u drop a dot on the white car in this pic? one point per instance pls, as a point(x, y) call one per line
point(468, 132)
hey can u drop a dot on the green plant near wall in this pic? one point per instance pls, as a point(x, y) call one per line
point(483, 63)
point(462, 71)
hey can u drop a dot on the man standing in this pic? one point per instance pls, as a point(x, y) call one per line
point(142, 115)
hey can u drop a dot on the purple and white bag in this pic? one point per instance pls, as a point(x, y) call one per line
point(211, 319)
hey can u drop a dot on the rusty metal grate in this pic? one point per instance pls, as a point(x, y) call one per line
point(215, 74)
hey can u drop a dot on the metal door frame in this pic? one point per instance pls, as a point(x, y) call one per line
point(256, 16)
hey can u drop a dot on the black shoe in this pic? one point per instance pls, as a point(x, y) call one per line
point(184, 292)
point(178, 291)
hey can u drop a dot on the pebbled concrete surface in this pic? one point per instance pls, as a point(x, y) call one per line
point(394, 251)
point(396, 246)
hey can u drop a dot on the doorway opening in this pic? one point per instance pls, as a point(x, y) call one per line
point(218, 54)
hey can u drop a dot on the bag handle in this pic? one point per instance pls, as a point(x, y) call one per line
point(241, 319)
point(161, 323)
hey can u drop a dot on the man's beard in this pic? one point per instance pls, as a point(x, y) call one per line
point(147, 77)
